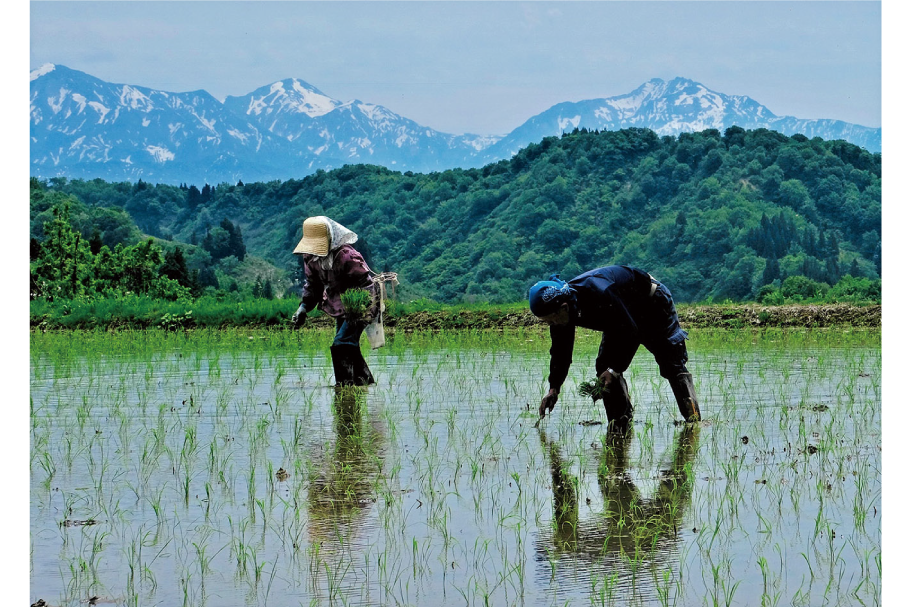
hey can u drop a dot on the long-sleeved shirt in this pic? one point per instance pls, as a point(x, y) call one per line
point(614, 300)
point(323, 288)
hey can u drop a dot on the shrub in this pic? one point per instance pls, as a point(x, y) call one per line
point(850, 289)
point(800, 288)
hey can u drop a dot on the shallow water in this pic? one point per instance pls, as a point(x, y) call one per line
point(155, 474)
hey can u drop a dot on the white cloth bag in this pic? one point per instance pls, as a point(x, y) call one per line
point(375, 331)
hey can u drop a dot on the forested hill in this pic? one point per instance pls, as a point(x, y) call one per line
point(712, 215)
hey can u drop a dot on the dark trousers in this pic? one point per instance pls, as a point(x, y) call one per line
point(350, 367)
point(348, 332)
point(662, 336)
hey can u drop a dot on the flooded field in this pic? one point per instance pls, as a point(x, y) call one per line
point(219, 469)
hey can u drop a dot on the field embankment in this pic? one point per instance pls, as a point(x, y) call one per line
point(277, 313)
point(696, 316)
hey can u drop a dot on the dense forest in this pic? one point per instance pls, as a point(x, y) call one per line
point(715, 216)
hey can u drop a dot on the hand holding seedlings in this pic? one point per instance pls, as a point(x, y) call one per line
point(546, 404)
point(595, 389)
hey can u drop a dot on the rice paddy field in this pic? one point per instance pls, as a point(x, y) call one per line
point(222, 468)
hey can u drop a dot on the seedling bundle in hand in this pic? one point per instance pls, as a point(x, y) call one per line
point(356, 302)
point(595, 389)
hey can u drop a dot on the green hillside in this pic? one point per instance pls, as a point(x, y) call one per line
point(715, 216)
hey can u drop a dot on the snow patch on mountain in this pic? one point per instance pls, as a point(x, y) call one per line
point(565, 122)
point(57, 103)
point(289, 128)
point(480, 142)
point(45, 69)
point(160, 154)
point(134, 98)
point(80, 101)
point(102, 111)
point(209, 124)
point(626, 106)
point(373, 112)
point(312, 103)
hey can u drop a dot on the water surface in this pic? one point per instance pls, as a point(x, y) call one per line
point(224, 469)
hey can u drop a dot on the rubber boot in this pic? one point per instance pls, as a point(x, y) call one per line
point(350, 367)
point(684, 391)
point(617, 403)
point(344, 371)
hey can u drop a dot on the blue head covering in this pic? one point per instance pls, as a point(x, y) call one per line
point(546, 296)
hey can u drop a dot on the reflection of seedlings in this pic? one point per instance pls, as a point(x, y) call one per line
point(447, 444)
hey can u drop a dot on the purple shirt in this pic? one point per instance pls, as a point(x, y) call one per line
point(323, 288)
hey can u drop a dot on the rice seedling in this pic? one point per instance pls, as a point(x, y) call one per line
point(433, 487)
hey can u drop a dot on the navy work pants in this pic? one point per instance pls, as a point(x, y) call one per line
point(668, 345)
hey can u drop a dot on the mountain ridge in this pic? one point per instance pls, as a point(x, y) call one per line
point(84, 127)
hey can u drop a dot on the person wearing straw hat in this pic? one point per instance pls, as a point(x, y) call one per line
point(331, 267)
point(631, 308)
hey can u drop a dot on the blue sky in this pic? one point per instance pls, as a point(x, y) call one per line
point(480, 67)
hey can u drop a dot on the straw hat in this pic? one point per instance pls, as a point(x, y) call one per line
point(316, 237)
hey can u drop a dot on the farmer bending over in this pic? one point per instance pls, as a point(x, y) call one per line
point(331, 267)
point(630, 308)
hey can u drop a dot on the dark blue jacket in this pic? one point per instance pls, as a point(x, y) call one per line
point(617, 301)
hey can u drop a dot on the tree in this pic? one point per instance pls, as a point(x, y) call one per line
point(63, 267)
point(771, 271)
point(95, 243)
point(207, 278)
point(193, 197)
point(267, 290)
point(235, 240)
point(174, 267)
point(217, 243)
point(582, 199)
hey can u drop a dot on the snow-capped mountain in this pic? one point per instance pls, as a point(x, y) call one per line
point(325, 132)
point(671, 108)
point(83, 127)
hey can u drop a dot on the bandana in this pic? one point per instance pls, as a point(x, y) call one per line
point(546, 296)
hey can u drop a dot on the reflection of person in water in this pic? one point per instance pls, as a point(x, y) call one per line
point(342, 487)
point(629, 522)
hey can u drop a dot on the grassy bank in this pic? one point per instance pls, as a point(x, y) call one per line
point(142, 313)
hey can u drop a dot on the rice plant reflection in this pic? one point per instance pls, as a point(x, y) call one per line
point(341, 486)
point(631, 527)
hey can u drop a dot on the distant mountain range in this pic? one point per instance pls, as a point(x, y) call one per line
point(84, 127)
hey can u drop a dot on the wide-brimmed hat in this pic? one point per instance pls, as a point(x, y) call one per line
point(316, 237)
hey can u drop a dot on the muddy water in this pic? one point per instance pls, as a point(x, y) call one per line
point(226, 470)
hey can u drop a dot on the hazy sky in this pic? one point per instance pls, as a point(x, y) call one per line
point(480, 67)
